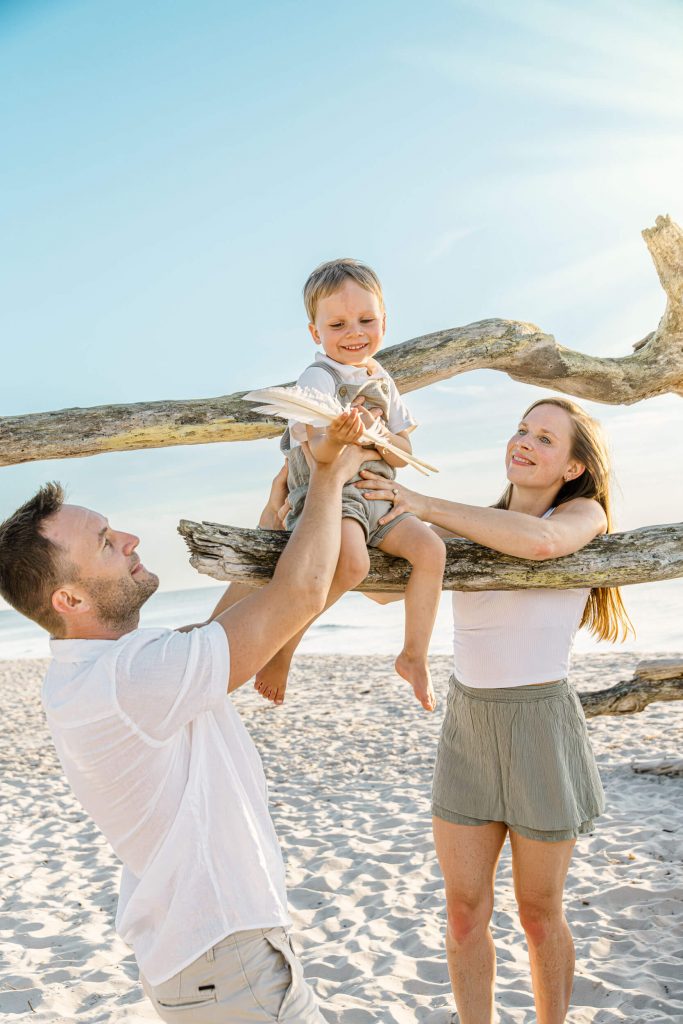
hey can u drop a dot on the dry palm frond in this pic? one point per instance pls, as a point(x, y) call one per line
point(308, 405)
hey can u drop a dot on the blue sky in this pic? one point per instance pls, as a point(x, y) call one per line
point(172, 171)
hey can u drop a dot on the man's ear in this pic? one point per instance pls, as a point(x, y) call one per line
point(315, 334)
point(69, 602)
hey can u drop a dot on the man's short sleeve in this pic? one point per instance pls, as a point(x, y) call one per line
point(165, 681)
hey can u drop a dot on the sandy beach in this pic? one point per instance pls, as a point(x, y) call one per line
point(349, 761)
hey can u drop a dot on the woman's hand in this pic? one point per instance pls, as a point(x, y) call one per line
point(272, 517)
point(378, 488)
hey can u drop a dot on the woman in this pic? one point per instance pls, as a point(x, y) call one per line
point(514, 756)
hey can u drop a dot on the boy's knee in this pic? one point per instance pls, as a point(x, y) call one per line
point(353, 566)
point(429, 550)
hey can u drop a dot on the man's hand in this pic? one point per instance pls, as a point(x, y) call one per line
point(348, 462)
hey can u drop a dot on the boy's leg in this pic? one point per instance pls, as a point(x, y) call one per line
point(352, 568)
point(415, 541)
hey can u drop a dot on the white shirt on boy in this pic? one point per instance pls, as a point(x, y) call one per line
point(399, 417)
point(156, 753)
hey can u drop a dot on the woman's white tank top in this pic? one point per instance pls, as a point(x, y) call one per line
point(515, 637)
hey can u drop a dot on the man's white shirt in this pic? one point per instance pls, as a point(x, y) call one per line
point(159, 758)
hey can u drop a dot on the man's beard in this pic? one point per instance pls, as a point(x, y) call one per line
point(118, 602)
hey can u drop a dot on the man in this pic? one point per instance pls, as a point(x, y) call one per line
point(156, 753)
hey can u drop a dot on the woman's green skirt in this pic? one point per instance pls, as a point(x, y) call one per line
point(519, 755)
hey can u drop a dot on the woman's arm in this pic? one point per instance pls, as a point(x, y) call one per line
point(570, 528)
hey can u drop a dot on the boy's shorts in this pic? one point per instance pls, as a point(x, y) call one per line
point(354, 504)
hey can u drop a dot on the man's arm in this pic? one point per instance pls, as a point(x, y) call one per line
point(258, 625)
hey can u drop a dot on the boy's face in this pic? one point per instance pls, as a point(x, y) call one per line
point(349, 324)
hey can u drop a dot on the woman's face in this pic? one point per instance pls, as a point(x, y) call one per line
point(539, 452)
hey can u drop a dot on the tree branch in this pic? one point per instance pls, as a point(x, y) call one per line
point(639, 556)
point(652, 681)
point(519, 349)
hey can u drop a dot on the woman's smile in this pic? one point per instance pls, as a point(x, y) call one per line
point(521, 460)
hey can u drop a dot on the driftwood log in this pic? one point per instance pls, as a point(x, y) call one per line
point(639, 556)
point(659, 766)
point(652, 681)
point(519, 349)
point(659, 680)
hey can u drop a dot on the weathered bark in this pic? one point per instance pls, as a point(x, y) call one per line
point(659, 766)
point(519, 349)
point(639, 556)
point(652, 681)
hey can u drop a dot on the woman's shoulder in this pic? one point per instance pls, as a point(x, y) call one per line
point(583, 508)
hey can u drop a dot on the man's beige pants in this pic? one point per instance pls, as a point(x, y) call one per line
point(251, 977)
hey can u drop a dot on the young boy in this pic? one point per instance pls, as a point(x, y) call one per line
point(347, 318)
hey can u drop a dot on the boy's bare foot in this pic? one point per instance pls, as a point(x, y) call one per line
point(416, 671)
point(271, 680)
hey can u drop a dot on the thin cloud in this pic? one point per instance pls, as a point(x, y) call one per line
point(444, 243)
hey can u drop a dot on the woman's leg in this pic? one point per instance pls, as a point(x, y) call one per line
point(352, 568)
point(417, 542)
point(468, 855)
point(539, 870)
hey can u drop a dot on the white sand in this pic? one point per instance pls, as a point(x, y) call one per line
point(349, 762)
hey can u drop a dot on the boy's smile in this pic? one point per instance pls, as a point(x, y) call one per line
point(349, 324)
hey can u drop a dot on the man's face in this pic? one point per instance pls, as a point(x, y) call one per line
point(107, 583)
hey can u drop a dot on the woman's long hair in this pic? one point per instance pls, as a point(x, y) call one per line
point(605, 616)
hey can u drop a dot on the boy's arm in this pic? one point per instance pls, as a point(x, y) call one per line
point(400, 439)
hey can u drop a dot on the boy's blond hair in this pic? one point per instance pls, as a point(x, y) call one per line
point(329, 278)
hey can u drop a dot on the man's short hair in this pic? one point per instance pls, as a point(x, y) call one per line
point(31, 566)
point(329, 277)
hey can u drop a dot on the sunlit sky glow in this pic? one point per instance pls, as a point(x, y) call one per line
point(171, 173)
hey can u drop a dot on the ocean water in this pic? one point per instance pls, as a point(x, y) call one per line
point(356, 626)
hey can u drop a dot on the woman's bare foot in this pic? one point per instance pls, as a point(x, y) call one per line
point(271, 680)
point(416, 671)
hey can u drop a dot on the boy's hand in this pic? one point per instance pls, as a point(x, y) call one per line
point(371, 416)
point(346, 429)
point(368, 416)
